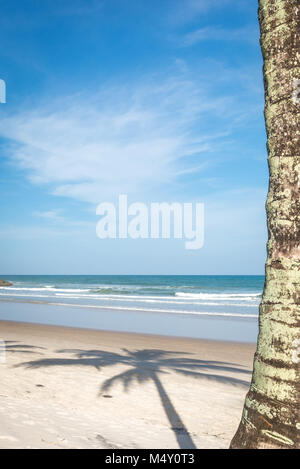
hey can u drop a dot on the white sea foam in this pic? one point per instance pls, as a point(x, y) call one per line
point(185, 299)
point(29, 295)
point(134, 308)
point(179, 296)
point(218, 296)
point(47, 288)
point(121, 308)
point(152, 299)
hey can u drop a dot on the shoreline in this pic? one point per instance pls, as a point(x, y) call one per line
point(145, 335)
point(147, 322)
point(128, 309)
point(83, 388)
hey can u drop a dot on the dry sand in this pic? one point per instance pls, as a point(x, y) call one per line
point(75, 388)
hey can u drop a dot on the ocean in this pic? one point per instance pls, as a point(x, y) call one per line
point(211, 307)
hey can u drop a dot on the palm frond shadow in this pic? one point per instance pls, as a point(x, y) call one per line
point(148, 365)
point(12, 346)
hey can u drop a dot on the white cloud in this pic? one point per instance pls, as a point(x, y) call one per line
point(203, 5)
point(189, 9)
point(247, 33)
point(56, 217)
point(52, 215)
point(128, 139)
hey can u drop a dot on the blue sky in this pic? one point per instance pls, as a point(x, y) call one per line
point(160, 100)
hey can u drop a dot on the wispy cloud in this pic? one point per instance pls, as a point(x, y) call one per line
point(189, 9)
point(47, 224)
point(204, 5)
point(121, 139)
point(56, 217)
point(52, 215)
point(247, 34)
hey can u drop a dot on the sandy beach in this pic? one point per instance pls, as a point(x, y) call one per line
point(77, 388)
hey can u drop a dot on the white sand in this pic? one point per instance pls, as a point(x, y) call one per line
point(51, 396)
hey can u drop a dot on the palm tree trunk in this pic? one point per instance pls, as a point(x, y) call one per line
point(271, 411)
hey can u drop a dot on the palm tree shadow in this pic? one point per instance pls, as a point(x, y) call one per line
point(147, 365)
point(13, 346)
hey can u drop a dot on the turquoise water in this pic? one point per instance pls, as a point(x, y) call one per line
point(216, 307)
